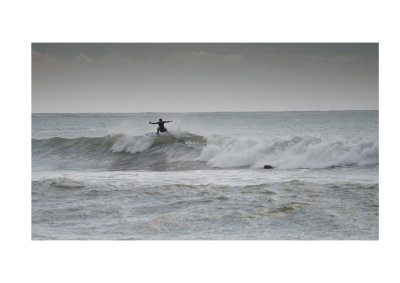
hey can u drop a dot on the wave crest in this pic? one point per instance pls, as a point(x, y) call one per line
point(189, 151)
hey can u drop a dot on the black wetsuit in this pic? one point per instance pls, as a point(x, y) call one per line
point(161, 127)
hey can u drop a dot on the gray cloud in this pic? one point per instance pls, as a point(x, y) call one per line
point(203, 77)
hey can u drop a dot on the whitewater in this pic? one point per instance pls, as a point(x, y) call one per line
point(97, 176)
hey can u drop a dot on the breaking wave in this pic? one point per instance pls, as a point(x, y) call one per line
point(187, 151)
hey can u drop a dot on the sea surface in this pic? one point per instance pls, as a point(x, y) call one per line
point(98, 177)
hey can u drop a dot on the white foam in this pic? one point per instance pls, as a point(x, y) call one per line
point(298, 152)
point(131, 144)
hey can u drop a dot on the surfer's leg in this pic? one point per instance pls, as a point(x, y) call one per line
point(158, 130)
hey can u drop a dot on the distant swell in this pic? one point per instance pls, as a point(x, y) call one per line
point(188, 151)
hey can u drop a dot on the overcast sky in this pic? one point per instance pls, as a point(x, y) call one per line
point(159, 77)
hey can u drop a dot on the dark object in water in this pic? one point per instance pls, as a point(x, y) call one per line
point(268, 167)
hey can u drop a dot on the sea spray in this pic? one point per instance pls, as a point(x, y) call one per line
point(297, 152)
point(131, 144)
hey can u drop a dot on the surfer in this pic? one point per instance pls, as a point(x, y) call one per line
point(161, 127)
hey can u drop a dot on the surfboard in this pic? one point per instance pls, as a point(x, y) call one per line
point(154, 134)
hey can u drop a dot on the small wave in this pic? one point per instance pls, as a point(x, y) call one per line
point(287, 208)
point(59, 183)
point(372, 187)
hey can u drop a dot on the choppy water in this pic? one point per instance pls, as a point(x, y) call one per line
point(96, 176)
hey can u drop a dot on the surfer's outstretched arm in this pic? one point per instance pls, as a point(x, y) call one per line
point(167, 121)
point(152, 123)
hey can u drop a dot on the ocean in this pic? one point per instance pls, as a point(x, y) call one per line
point(98, 177)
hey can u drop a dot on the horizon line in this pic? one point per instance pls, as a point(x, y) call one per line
point(227, 111)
